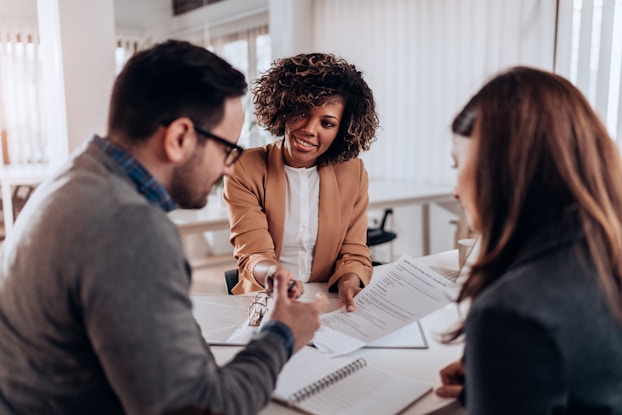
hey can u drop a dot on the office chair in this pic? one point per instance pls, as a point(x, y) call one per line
point(231, 278)
point(379, 235)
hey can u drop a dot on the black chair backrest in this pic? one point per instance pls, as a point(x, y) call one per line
point(231, 279)
point(377, 236)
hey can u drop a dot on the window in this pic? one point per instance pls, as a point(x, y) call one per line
point(21, 115)
point(589, 54)
point(126, 47)
point(249, 51)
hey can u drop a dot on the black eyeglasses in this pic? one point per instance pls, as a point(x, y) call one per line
point(233, 151)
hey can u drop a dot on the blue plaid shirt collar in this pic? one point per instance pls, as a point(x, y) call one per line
point(146, 184)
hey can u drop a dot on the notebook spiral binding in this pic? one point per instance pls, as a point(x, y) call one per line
point(328, 380)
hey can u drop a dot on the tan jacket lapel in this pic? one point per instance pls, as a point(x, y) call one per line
point(329, 220)
point(276, 183)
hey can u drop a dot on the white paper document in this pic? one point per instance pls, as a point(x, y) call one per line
point(408, 337)
point(403, 293)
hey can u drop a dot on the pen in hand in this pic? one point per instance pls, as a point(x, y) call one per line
point(290, 285)
point(293, 287)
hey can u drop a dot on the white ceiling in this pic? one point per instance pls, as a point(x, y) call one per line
point(141, 14)
point(20, 10)
point(152, 18)
point(136, 14)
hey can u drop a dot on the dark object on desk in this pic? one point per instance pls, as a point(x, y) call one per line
point(379, 235)
point(231, 278)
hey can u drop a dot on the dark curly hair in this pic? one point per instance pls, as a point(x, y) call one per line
point(296, 84)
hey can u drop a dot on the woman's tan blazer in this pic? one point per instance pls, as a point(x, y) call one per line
point(255, 195)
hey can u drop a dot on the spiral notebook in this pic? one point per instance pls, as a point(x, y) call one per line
point(319, 385)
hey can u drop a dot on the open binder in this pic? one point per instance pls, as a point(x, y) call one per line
point(318, 385)
point(224, 320)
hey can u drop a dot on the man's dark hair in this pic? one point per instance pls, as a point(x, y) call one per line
point(170, 80)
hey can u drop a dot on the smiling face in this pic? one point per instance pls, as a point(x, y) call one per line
point(465, 159)
point(309, 135)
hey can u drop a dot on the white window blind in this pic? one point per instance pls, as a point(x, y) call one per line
point(127, 46)
point(249, 51)
point(589, 54)
point(424, 59)
point(21, 116)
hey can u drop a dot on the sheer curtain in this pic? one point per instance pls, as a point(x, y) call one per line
point(423, 60)
point(249, 51)
point(24, 138)
point(589, 53)
point(127, 46)
point(21, 116)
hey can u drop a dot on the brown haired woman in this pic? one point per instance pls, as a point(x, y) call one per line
point(541, 179)
point(299, 206)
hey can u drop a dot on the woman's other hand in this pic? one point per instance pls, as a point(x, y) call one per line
point(348, 286)
point(452, 378)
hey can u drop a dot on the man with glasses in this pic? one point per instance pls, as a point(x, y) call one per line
point(95, 313)
point(234, 151)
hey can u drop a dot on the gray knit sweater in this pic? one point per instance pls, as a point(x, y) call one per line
point(95, 315)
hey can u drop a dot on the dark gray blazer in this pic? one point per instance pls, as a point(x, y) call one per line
point(541, 339)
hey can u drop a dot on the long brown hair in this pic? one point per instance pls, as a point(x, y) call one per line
point(541, 150)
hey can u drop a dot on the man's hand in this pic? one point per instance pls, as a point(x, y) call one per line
point(303, 318)
point(267, 271)
point(348, 286)
point(452, 378)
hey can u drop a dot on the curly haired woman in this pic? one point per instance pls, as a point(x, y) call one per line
point(299, 206)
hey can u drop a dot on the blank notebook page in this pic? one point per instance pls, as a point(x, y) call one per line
point(348, 387)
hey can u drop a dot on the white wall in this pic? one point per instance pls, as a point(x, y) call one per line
point(80, 69)
point(18, 10)
point(291, 27)
point(422, 58)
point(78, 60)
point(204, 19)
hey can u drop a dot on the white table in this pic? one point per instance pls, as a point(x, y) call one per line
point(421, 364)
point(383, 194)
point(12, 175)
point(212, 217)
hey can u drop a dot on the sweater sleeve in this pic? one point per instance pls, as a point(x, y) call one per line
point(513, 366)
point(138, 315)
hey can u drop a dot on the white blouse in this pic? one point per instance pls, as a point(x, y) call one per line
point(301, 218)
